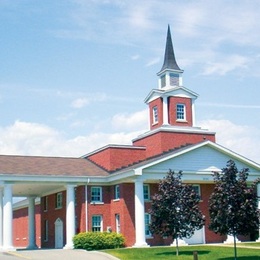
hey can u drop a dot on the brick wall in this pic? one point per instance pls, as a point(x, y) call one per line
point(159, 103)
point(164, 141)
point(112, 158)
point(20, 227)
point(173, 101)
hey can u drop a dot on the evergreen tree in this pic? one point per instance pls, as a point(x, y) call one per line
point(175, 209)
point(233, 204)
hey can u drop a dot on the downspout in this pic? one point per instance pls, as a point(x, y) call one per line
point(86, 204)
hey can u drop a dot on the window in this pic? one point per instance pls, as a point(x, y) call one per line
point(97, 223)
point(45, 203)
point(58, 200)
point(174, 79)
point(147, 220)
point(180, 112)
point(96, 194)
point(117, 192)
point(197, 190)
point(46, 230)
point(146, 192)
point(163, 81)
point(117, 223)
point(155, 115)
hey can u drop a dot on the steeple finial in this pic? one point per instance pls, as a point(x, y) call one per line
point(169, 57)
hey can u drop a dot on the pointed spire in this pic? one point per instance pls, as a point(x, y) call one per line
point(169, 57)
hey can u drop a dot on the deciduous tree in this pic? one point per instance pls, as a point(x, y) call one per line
point(175, 209)
point(233, 204)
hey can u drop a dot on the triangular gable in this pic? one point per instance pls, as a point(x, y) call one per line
point(176, 91)
point(203, 158)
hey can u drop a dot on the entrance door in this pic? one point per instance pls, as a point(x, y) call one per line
point(58, 233)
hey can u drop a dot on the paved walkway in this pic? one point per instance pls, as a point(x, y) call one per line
point(55, 254)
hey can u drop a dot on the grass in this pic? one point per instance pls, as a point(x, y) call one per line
point(205, 252)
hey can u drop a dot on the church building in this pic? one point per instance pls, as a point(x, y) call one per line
point(110, 189)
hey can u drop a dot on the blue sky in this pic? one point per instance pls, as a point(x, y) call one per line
point(74, 73)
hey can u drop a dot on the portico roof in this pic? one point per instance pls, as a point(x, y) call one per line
point(48, 166)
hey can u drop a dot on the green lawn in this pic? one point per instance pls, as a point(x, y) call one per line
point(206, 252)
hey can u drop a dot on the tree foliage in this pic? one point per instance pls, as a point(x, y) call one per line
point(233, 204)
point(175, 208)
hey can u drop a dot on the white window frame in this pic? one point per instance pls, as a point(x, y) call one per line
point(97, 226)
point(180, 115)
point(155, 115)
point(96, 196)
point(117, 216)
point(147, 222)
point(146, 191)
point(117, 192)
point(58, 202)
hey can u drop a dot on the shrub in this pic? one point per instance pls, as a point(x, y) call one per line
point(98, 240)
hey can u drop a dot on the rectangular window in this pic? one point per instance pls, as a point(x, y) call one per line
point(46, 230)
point(155, 115)
point(96, 194)
point(174, 79)
point(58, 200)
point(97, 223)
point(180, 112)
point(118, 224)
point(117, 192)
point(163, 81)
point(45, 203)
point(197, 190)
point(146, 188)
point(147, 219)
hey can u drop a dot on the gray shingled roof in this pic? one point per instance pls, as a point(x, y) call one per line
point(169, 57)
point(48, 166)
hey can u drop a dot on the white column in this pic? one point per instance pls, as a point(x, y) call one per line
point(139, 215)
point(165, 111)
point(193, 113)
point(258, 195)
point(1, 217)
point(70, 216)
point(8, 218)
point(31, 223)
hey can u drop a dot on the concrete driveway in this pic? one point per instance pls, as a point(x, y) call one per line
point(55, 254)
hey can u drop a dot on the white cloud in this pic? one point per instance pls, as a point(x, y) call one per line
point(80, 102)
point(226, 65)
point(131, 122)
point(24, 138)
point(242, 139)
point(152, 62)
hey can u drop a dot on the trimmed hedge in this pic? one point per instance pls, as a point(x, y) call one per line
point(98, 240)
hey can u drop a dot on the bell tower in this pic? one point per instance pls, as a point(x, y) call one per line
point(171, 104)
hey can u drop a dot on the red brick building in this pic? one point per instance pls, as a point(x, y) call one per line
point(111, 187)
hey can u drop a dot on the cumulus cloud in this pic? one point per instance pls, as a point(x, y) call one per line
point(242, 139)
point(130, 122)
point(24, 138)
point(79, 102)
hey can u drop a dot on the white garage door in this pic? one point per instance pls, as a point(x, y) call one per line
point(197, 238)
